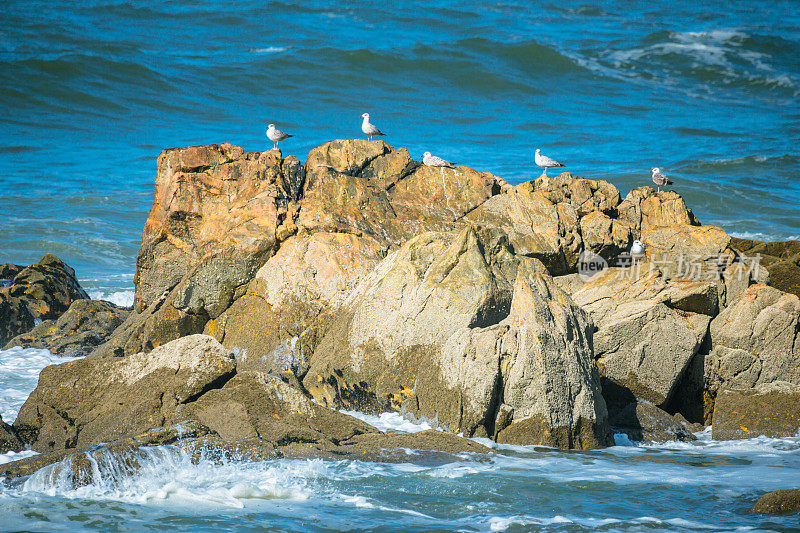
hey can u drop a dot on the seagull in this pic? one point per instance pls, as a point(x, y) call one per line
point(432, 161)
point(276, 135)
point(545, 162)
point(637, 248)
point(660, 179)
point(369, 128)
point(637, 251)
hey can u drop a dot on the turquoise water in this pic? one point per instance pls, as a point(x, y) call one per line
point(91, 91)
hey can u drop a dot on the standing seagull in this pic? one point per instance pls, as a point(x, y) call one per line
point(637, 251)
point(369, 128)
point(276, 135)
point(432, 161)
point(545, 162)
point(660, 179)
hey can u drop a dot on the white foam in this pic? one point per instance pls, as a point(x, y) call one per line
point(120, 298)
point(167, 475)
point(758, 236)
point(269, 50)
point(16, 456)
point(393, 421)
point(19, 374)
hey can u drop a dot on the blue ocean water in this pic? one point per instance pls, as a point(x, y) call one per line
point(91, 91)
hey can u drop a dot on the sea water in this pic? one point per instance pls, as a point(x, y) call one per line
point(92, 91)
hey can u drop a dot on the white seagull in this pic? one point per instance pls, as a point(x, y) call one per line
point(432, 161)
point(637, 248)
point(276, 135)
point(545, 162)
point(369, 128)
point(660, 179)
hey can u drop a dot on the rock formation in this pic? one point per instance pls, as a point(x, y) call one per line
point(461, 330)
point(84, 326)
point(269, 292)
point(29, 295)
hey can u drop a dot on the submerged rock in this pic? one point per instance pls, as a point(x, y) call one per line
point(778, 502)
point(32, 294)
point(643, 421)
point(84, 326)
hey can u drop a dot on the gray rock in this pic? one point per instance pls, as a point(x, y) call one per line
point(84, 326)
point(649, 329)
point(111, 397)
point(449, 327)
point(643, 421)
point(756, 341)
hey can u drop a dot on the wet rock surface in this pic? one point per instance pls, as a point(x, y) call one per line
point(778, 502)
point(84, 326)
point(32, 294)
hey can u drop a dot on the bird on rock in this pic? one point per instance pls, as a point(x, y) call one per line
point(545, 162)
point(369, 128)
point(275, 135)
point(660, 179)
point(432, 161)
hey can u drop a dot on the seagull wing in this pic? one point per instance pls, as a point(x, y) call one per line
point(439, 162)
point(549, 162)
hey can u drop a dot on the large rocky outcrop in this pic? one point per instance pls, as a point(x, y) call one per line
point(649, 328)
point(460, 329)
point(29, 295)
point(82, 327)
point(366, 280)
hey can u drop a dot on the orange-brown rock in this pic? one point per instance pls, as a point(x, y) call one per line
point(647, 208)
point(209, 200)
